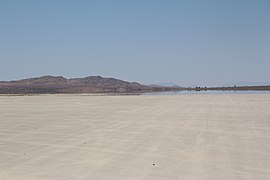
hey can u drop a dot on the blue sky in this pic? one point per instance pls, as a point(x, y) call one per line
point(187, 42)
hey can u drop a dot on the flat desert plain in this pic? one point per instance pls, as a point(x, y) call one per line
point(62, 137)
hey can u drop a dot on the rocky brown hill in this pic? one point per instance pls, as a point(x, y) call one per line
point(59, 84)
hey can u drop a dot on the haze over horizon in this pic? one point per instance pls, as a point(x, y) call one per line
point(189, 42)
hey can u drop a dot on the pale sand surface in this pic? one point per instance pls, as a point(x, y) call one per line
point(62, 137)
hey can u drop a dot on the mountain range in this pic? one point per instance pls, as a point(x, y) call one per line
point(91, 84)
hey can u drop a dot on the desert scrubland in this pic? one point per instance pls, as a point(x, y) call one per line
point(62, 137)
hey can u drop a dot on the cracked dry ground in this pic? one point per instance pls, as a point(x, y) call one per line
point(62, 137)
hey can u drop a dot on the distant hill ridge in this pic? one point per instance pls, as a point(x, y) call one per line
point(59, 84)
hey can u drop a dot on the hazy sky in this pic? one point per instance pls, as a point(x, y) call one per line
point(188, 42)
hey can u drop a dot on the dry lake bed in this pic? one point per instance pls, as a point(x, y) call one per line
point(83, 137)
